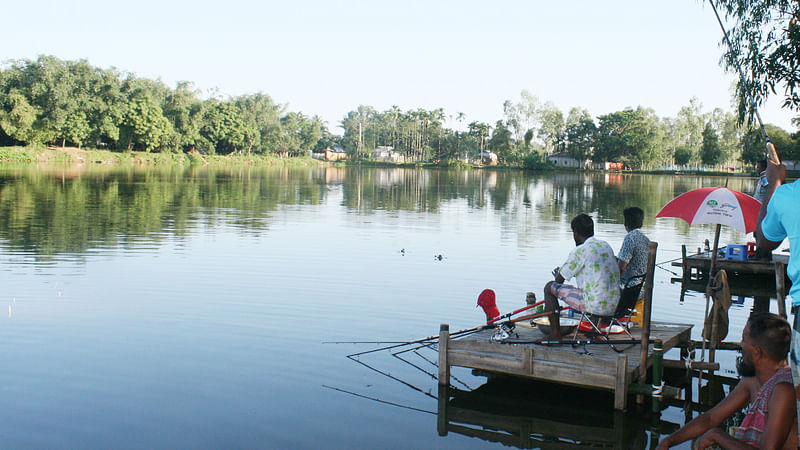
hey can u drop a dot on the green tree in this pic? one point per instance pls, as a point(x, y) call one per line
point(754, 147)
point(223, 127)
point(766, 42)
point(144, 125)
point(711, 152)
point(18, 119)
point(551, 131)
point(501, 142)
point(580, 134)
point(683, 155)
point(629, 136)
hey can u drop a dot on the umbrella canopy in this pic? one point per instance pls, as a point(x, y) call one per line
point(720, 206)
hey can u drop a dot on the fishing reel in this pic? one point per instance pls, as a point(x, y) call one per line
point(504, 331)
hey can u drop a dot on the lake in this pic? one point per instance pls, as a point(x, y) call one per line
point(195, 307)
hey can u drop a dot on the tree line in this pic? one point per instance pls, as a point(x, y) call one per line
point(531, 129)
point(50, 101)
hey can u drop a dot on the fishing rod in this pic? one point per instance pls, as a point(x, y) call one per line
point(772, 154)
point(364, 342)
point(417, 341)
point(525, 308)
point(489, 324)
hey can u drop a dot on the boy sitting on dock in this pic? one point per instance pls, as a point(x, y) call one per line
point(595, 269)
point(771, 420)
point(632, 255)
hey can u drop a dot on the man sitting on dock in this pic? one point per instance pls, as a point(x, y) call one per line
point(766, 386)
point(595, 269)
point(632, 255)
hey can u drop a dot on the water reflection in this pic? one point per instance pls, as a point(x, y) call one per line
point(529, 414)
point(72, 210)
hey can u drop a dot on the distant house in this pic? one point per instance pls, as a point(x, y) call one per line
point(335, 153)
point(562, 159)
point(488, 158)
point(387, 153)
point(608, 165)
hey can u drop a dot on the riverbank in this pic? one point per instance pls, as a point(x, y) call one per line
point(73, 155)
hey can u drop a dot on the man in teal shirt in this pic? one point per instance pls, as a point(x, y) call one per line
point(778, 219)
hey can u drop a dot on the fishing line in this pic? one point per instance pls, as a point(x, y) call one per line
point(392, 377)
point(375, 399)
point(771, 154)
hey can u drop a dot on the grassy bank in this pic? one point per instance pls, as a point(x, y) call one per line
point(72, 155)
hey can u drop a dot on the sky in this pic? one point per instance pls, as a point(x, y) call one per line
point(326, 58)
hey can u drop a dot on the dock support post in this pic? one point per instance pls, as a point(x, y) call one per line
point(648, 308)
point(621, 389)
point(658, 355)
point(444, 365)
point(780, 287)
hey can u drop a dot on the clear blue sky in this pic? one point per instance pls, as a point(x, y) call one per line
point(327, 57)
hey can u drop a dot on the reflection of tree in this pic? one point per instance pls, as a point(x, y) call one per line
point(72, 211)
point(61, 211)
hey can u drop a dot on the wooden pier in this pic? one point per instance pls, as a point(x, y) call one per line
point(758, 277)
point(593, 365)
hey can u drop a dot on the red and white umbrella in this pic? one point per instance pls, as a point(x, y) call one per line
point(721, 206)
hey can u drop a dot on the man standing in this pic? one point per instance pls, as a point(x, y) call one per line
point(778, 219)
point(766, 386)
point(595, 269)
point(763, 183)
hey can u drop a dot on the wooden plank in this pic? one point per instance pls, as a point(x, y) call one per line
point(567, 355)
point(571, 374)
point(486, 347)
point(486, 361)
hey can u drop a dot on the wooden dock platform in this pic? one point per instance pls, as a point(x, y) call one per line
point(759, 277)
point(593, 365)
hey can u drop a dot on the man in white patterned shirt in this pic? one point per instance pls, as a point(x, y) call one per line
point(596, 272)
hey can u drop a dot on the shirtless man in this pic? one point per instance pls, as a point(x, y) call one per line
point(771, 420)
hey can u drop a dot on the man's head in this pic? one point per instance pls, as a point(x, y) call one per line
point(761, 165)
point(634, 218)
point(582, 228)
point(765, 339)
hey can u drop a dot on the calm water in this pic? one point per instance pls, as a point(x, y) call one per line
point(189, 307)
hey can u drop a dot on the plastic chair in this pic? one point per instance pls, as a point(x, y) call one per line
point(627, 302)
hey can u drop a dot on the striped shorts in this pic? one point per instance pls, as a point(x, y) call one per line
point(570, 295)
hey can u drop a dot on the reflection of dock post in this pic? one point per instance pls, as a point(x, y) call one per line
point(441, 416)
point(684, 264)
point(685, 272)
point(780, 287)
point(444, 365)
